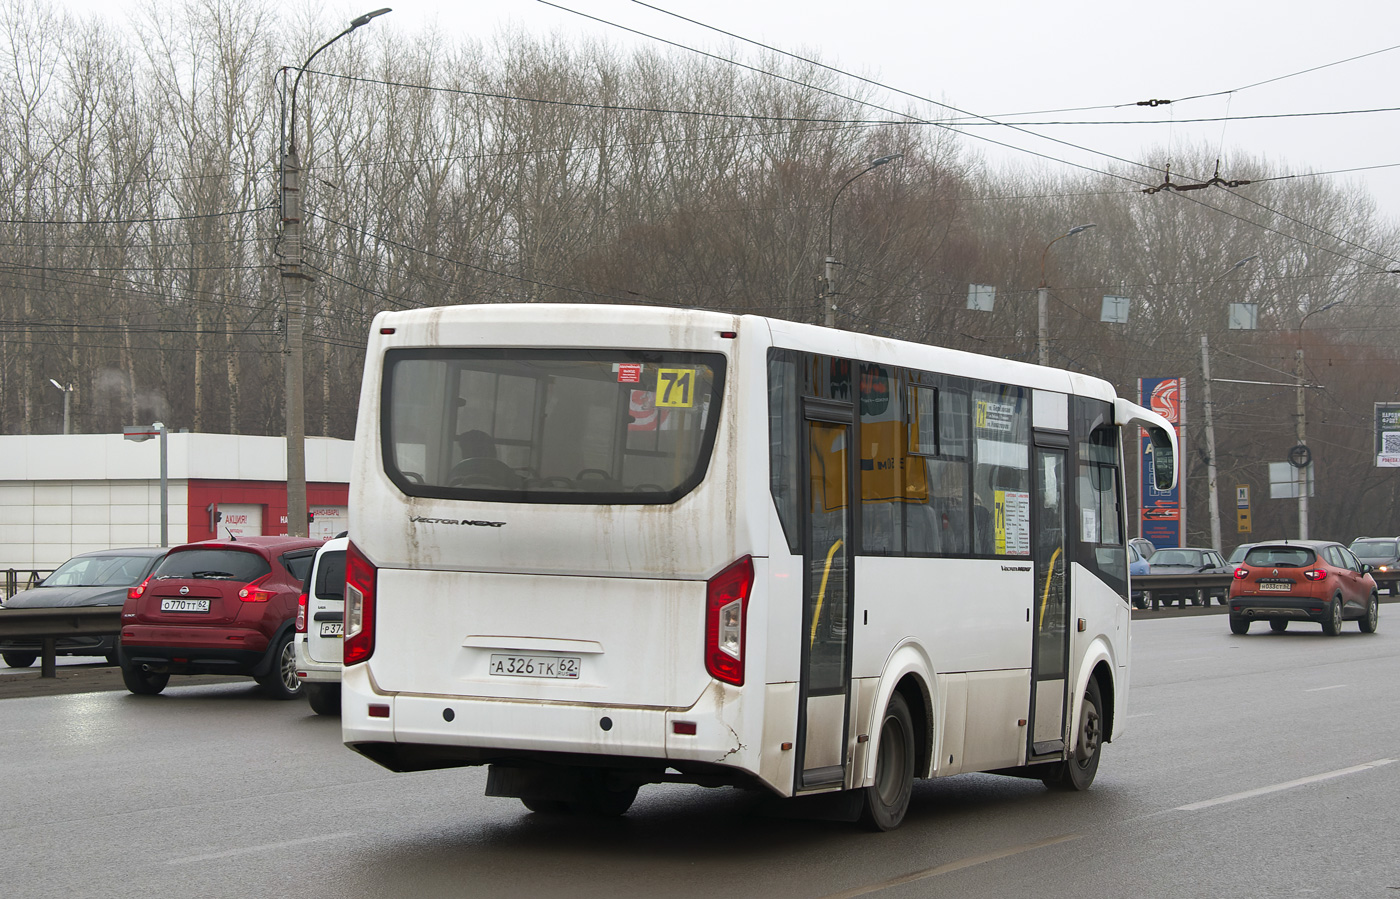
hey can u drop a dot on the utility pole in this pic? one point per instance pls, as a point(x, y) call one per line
point(1211, 473)
point(294, 295)
point(1043, 297)
point(1301, 471)
point(828, 293)
point(1304, 460)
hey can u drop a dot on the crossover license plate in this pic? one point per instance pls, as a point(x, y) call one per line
point(184, 605)
point(567, 667)
point(1281, 588)
point(332, 629)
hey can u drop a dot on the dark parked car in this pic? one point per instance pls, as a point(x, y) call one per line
point(101, 578)
point(218, 607)
point(1303, 580)
point(1189, 560)
point(1237, 554)
point(1381, 553)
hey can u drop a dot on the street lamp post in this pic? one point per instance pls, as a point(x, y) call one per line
point(1211, 471)
point(1043, 296)
point(293, 293)
point(67, 395)
point(1301, 471)
point(828, 292)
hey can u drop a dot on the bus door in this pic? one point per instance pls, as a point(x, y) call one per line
point(1050, 611)
point(826, 631)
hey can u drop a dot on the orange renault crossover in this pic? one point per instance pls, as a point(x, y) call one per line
point(1303, 580)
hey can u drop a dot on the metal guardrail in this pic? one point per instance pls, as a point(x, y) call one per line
point(15, 577)
point(49, 625)
point(1179, 585)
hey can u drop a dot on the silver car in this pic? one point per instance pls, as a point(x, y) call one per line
point(321, 628)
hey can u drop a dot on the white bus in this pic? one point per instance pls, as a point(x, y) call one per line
point(597, 547)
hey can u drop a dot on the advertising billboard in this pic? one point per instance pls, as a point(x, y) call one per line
point(1162, 512)
point(1388, 435)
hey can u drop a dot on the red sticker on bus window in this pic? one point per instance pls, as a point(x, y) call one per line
point(629, 373)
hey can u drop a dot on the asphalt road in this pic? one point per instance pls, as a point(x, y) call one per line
point(1258, 766)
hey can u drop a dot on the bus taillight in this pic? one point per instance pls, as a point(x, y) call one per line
point(726, 612)
point(360, 583)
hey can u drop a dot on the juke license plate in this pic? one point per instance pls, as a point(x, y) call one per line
point(567, 667)
point(332, 629)
point(184, 605)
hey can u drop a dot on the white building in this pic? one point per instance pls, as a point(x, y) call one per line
point(65, 494)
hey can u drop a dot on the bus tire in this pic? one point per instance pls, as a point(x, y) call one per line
point(545, 806)
point(1077, 772)
point(885, 801)
point(600, 799)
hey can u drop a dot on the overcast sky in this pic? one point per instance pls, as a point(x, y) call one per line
point(1012, 56)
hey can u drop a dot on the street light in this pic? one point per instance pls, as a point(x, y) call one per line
point(67, 394)
point(1306, 458)
point(293, 287)
point(1043, 295)
point(1211, 474)
point(827, 292)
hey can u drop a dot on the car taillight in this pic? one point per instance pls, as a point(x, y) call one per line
point(255, 593)
point(301, 614)
point(726, 613)
point(360, 587)
point(1315, 574)
point(1241, 573)
point(135, 592)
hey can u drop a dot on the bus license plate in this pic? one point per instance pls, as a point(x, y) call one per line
point(332, 629)
point(535, 666)
point(1282, 588)
point(184, 605)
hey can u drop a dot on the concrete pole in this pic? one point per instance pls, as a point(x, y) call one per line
point(164, 487)
point(829, 292)
point(67, 405)
point(1043, 329)
point(1211, 473)
point(293, 291)
point(1302, 433)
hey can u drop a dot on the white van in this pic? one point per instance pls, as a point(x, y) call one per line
point(320, 628)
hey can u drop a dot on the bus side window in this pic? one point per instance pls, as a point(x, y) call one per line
point(936, 468)
point(882, 455)
point(783, 443)
point(1001, 478)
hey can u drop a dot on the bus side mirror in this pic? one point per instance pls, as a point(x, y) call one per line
point(1163, 459)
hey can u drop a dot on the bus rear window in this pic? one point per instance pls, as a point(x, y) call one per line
point(550, 426)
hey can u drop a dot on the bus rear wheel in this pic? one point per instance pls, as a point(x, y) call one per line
point(885, 802)
point(1077, 772)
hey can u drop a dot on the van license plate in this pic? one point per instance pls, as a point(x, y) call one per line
point(567, 667)
point(332, 629)
point(184, 605)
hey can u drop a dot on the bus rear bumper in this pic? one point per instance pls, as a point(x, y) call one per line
point(406, 732)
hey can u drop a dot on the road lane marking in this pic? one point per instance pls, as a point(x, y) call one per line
point(1300, 782)
point(229, 853)
point(950, 866)
point(1320, 689)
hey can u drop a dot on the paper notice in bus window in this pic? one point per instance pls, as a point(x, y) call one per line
point(1089, 525)
point(1013, 523)
point(628, 372)
point(675, 387)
